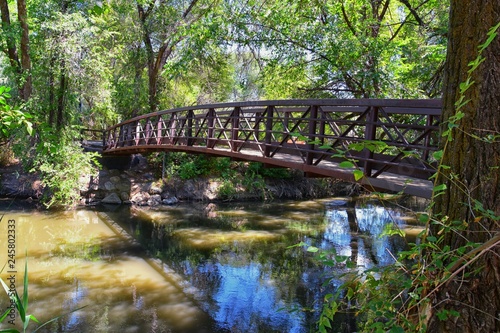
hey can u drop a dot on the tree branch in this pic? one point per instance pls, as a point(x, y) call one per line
point(384, 11)
point(413, 12)
point(347, 21)
point(189, 9)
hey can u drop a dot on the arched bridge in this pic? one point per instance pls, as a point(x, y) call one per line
point(383, 144)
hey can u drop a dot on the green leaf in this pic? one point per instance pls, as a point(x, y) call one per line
point(29, 128)
point(25, 285)
point(350, 293)
point(432, 239)
point(491, 35)
point(459, 115)
point(347, 165)
point(461, 103)
point(6, 313)
point(440, 188)
point(297, 245)
point(475, 64)
point(438, 155)
point(358, 146)
point(358, 174)
point(442, 315)
point(350, 264)
point(397, 329)
point(312, 249)
point(423, 218)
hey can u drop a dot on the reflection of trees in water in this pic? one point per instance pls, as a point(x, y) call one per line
point(289, 277)
point(356, 231)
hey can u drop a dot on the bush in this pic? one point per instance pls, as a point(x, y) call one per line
point(60, 162)
point(227, 190)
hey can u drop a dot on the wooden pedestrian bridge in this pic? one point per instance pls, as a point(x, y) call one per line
point(383, 144)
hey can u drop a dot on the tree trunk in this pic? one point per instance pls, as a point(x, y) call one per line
point(7, 31)
point(472, 198)
point(25, 84)
point(21, 68)
point(63, 83)
point(51, 88)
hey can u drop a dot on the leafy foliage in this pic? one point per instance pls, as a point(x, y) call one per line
point(12, 119)
point(60, 161)
point(338, 49)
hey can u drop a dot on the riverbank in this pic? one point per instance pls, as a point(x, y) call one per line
point(139, 185)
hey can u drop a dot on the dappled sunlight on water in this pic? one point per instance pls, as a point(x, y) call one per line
point(209, 239)
point(196, 267)
point(75, 260)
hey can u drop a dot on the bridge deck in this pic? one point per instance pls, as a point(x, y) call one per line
point(390, 141)
point(390, 182)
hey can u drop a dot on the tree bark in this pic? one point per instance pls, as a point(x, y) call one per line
point(472, 198)
point(61, 96)
point(7, 31)
point(157, 60)
point(22, 67)
point(51, 91)
point(26, 82)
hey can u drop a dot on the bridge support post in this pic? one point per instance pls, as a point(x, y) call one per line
point(427, 141)
point(128, 135)
point(235, 125)
point(313, 118)
point(149, 131)
point(159, 131)
point(173, 126)
point(269, 130)
point(370, 134)
point(137, 133)
point(211, 128)
point(189, 129)
point(103, 134)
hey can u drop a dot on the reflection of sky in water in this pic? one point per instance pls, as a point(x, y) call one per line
point(245, 300)
point(74, 297)
point(371, 221)
point(244, 296)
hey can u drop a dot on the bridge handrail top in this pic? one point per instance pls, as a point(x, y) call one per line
point(363, 102)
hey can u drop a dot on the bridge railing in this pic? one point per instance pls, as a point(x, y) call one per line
point(316, 131)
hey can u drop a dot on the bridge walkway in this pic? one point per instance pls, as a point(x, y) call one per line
point(389, 143)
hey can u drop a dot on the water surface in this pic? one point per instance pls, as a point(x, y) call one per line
point(194, 267)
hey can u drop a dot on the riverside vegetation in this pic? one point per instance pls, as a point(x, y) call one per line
point(91, 64)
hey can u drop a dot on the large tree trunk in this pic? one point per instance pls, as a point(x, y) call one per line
point(472, 197)
point(157, 59)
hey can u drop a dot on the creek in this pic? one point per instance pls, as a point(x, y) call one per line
point(193, 267)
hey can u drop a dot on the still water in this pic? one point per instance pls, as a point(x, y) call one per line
point(192, 267)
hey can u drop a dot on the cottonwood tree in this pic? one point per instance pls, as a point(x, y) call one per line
point(470, 205)
point(19, 58)
point(168, 27)
point(358, 48)
point(72, 74)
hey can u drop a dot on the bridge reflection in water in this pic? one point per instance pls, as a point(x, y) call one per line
point(314, 136)
point(175, 269)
